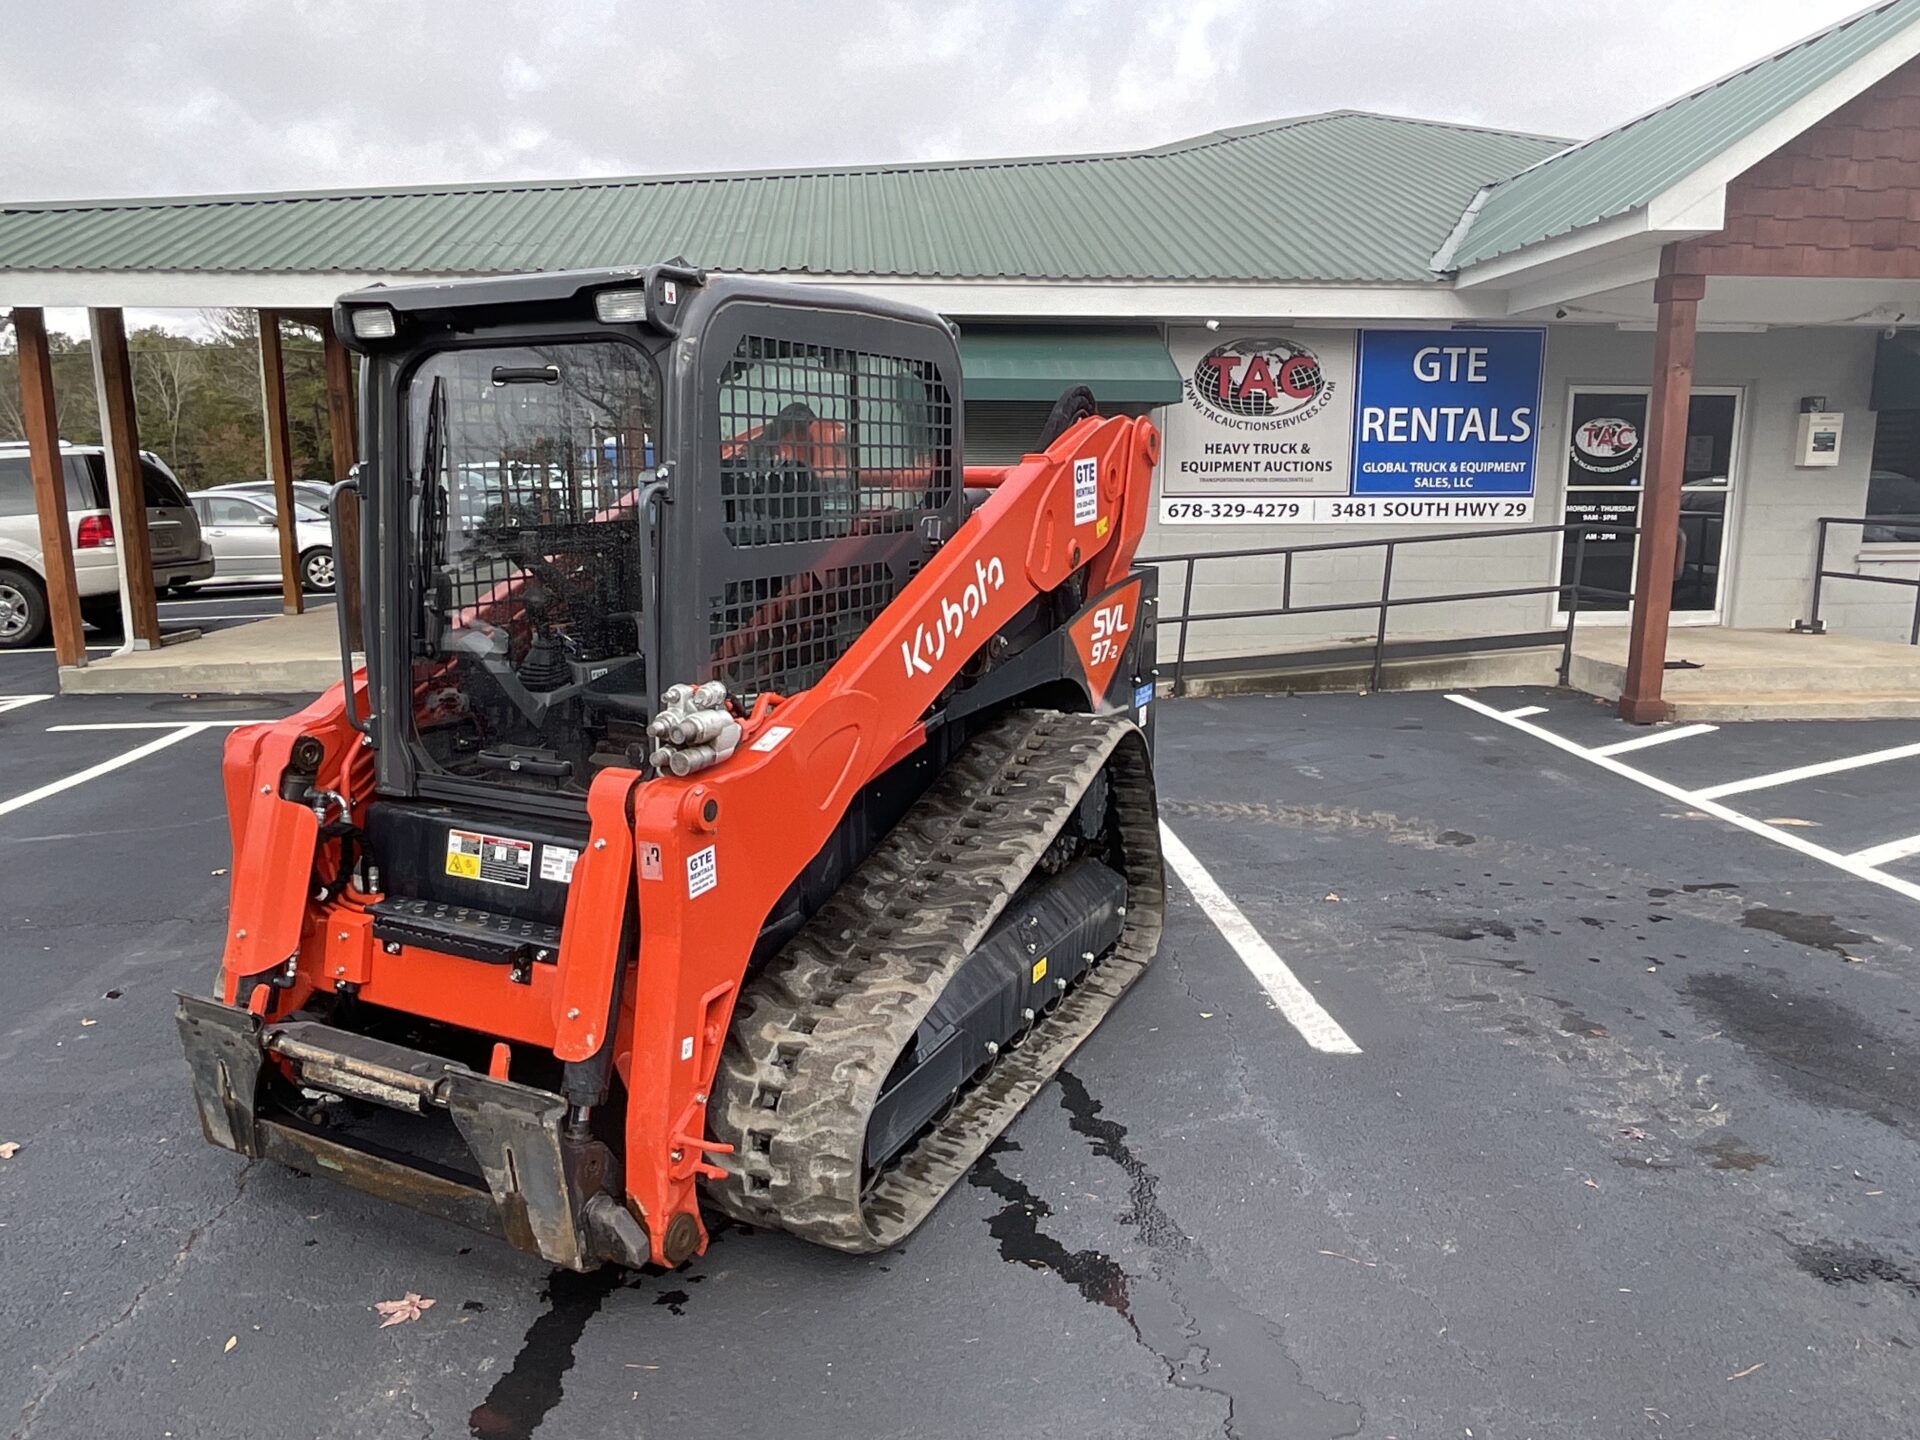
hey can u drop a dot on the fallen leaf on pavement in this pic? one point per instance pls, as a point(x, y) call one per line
point(1590, 1182)
point(399, 1312)
point(221, 871)
point(1748, 1371)
point(1633, 1132)
point(232, 1340)
point(9, 1149)
point(1332, 896)
point(89, 1022)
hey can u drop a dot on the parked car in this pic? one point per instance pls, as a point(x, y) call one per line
point(180, 557)
point(310, 493)
point(245, 536)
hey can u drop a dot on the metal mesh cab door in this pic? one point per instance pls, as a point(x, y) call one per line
point(827, 449)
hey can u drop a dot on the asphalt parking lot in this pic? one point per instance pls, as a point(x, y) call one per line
point(217, 606)
point(1487, 1084)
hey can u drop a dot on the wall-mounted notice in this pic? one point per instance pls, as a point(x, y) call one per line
point(1264, 426)
point(1450, 418)
point(1396, 426)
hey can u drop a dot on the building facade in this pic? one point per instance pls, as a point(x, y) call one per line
point(1665, 351)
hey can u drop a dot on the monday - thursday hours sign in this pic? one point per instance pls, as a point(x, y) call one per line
point(1440, 427)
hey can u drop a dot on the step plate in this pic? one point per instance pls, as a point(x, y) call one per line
point(465, 931)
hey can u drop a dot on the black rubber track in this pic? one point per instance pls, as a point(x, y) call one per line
point(816, 1033)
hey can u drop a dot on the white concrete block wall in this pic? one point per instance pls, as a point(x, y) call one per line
point(1873, 612)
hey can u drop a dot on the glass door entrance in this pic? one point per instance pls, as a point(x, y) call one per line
point(1606, 452)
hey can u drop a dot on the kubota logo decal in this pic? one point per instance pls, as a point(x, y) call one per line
point(929, 642)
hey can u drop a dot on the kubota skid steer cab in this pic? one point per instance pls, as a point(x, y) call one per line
point(738, 795)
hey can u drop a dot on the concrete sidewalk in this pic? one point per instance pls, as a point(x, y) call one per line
point(286, 655)
point(1715, 673)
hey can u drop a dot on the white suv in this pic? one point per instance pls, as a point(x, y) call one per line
point(180, 557)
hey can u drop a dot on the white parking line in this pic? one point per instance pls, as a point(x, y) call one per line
point(15, 702)
point(1808, 772)
point(1699, 800)
point(155, 724)
point(1296, 1002)
point(1658, 737)
point(105, 767)
point(1526, 710)
point(1888, 853)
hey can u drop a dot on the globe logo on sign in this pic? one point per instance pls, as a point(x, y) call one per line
point(1606, 444)
point(1260, 379)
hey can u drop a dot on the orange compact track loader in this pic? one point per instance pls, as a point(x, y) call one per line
point(743, 803)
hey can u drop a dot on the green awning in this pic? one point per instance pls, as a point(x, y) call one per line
point(1121, 367)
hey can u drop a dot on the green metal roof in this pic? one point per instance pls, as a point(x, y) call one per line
point(1625, 168)
point(1343, 196)
point(1123, 367)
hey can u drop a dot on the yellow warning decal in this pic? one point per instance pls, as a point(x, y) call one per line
point(491, 859)
point(1039, 969)
point(1100, 529)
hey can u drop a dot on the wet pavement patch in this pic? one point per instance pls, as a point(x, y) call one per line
point(1817, 932)
point(522, 1398)
point(1097, 1277)
point(1730, 1152)
point(1462, 929)
point(1823, 1052)
point(1205, 1336)
point(1852, 1265)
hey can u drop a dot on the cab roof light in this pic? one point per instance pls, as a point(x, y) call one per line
point(620, 307)
point(374, 322)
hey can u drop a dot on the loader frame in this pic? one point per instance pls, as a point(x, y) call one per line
point(705, 860)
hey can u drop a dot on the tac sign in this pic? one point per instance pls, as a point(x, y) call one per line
point(1264, 379)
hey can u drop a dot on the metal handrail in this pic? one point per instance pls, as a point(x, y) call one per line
point(1813, 624)
point(1570, 591)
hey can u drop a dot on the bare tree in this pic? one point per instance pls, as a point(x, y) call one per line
point(165, 372)
point(13, 420)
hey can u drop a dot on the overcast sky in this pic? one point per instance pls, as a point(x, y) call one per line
point(196, 96)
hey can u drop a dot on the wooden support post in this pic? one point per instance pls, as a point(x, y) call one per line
point(343, 430)
point(1677, 301)
point(113, 383)
point(273, 391)
point(49, 485)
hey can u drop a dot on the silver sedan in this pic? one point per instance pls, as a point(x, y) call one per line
point(246, 541)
